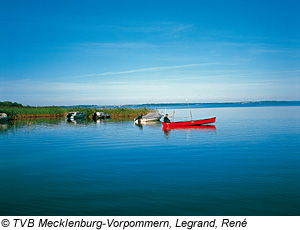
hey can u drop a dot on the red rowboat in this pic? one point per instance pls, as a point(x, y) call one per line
point(194, 127)
point(188, 123)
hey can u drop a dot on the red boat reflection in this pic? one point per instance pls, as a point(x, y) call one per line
point(188, 129)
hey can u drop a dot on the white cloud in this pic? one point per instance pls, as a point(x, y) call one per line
point(147, 70)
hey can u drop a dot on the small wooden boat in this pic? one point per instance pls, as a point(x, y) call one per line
point(189, 123)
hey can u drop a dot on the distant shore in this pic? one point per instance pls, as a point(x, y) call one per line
point(193, 104)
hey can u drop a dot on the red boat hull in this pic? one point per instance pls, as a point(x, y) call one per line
point(194, 127)
point(189, 123)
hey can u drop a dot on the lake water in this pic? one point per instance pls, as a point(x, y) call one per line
point(247, 164)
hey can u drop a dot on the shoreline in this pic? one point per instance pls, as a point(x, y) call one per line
point(46, 116)
point(19, 113)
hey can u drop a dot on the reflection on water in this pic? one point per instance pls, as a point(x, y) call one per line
point(3, 127)
point(189, 129)
point(151, 124)
point(31, 124)
point(17, 125)
point(245, 164)
point(78, 122)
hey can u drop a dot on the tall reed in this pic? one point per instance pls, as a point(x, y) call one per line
point(53, 111)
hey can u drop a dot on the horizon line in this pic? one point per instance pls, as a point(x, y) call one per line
point(163, 103)
point(173, 103)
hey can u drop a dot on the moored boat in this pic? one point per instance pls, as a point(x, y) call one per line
point(75, 115)
point(189, 123)
point(148, 117)
point(3, 117)
point(100, 115)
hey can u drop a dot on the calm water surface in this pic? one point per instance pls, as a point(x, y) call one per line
point(247, 164)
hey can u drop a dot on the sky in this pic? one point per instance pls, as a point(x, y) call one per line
point(135, 52)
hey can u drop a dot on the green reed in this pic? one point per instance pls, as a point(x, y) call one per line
point(115, 112)
point(18, 112)
point(23, 111)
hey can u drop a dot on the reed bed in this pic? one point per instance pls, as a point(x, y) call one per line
point(53, 111)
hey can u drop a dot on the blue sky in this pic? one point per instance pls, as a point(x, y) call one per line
point(127, 52)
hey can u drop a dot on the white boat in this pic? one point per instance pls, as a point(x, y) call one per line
point(148, 117)
point(75, 115)
point(3, 117)
point(100, 115)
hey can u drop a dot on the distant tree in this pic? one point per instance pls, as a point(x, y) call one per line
point(9, 103)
